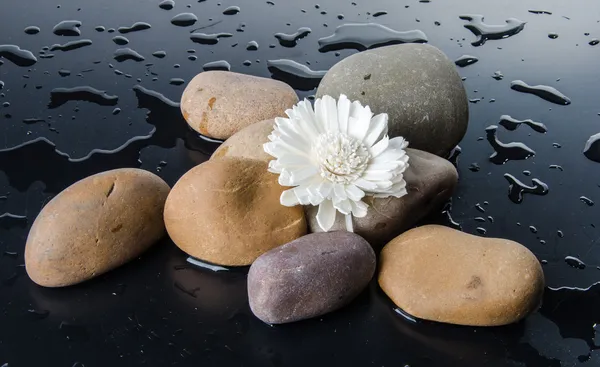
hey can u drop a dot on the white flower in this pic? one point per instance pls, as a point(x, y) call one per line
point(334, 155)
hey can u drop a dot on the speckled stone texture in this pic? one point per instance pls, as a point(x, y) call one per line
point(441, 274)
point(430, 182)
point(218, 104)
point(248, 142)
point(95, 225)
point(309, 277)
point(415, 84)
point(227, 211)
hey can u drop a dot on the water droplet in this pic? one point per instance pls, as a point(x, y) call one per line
point(33, 120)
point(17, 55)
point(120, 40)
point(466, 60)
point(32, 30)
point(67, 28)
point(110, 30)
point(516, 188)
point(574, 262)
point(100, 28)
point(498, 75)
point(594, 42)
point(166, 4)
point(192, 57)
point(124, 54)
point(73, 45)
point(479, 207)
point(116, 111)
point(205, 265)
point(208, 39)
point(12, 254)
point(60, 96)
point(366, 36)
point(159, 54)
point(176, 81)
point(135, 27)
point(556, 166)
point(556, 145)
point(232, 10)
point(10, 220)
point(184, 19)
point(379, 13)
point(533, 229)
point(290, 40)
point(511, 123)
point(39, 314)
point(252, 46)
point(297, 75)
point(586, 201)
point(481, 230)
point(474, 167)
point(486, 32)
point(474, 100)
point(405, 315)
point(548, 93)
point(247, 63)
point(553, 35)
point(503, 152)
point(540, 12)
point(592, 148)
point(270, 3)
point(560, 233)
point(217, 65)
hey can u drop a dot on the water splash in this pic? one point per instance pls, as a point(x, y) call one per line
point(511, 123)
point(209, 39)
point(69, 46)
point(291, 40)
point(465, 60)
point(297, 75)
point(17, 55)
point(486, 32)
point(68, 28)
point(135, 27)
point(60, 96)
point(124, 54)
point(516, 188)
point(217, 65)
point(504, 152)
point(548, 93)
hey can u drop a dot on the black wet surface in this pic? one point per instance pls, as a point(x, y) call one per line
point(58, 124)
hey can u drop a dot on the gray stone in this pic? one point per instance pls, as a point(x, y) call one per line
point(309, 277)
point(415, 84)
point(430, 182)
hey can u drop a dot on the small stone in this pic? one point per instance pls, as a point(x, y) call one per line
point(441, 274)
point(430, 182)
point(415, 84)
point(218, 104)
point(94, 226)
point(226, 211)
point(309, 277)
point(248, 142)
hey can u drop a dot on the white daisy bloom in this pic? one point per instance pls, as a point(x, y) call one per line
point(335, 155)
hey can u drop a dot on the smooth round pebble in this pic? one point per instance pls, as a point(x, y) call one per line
point(218, 104)
point(441, 274)
point(226, 211)
point(94, 226)
point(415, 84)
point(309, 277)
point(248, 142)
point(430, 182)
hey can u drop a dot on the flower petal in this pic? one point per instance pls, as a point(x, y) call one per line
point(326, 215)
point(340, 191)
point(343, 113)
point(288, 198)
point(343, 206)
point(354, 193)
point(380, 147)
point(359, 209)
point(377, 129)
point(358, 126)
point(331, 114)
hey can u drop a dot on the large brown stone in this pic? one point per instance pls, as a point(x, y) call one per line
point(441, 274)
point(218, 104)
point(248, 142)
point(227, 211)
point(430, 182)
point(94, 226)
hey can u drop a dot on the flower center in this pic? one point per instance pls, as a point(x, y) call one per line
point(341, 158)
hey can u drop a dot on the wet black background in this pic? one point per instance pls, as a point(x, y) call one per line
point(154, 311)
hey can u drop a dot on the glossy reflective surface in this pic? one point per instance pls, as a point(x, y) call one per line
point(72, 104)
